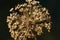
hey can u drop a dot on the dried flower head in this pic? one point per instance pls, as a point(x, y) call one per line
point(27, 18)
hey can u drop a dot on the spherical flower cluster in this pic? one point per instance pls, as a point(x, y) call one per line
point(27, 20)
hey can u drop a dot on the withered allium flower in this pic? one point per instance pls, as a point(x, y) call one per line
point(27, 20)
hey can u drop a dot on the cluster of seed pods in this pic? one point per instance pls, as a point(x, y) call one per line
point(28, 20)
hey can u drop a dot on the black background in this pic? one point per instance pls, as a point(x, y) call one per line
point(52, 5)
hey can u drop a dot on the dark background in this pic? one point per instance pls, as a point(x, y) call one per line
point(54, 9)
